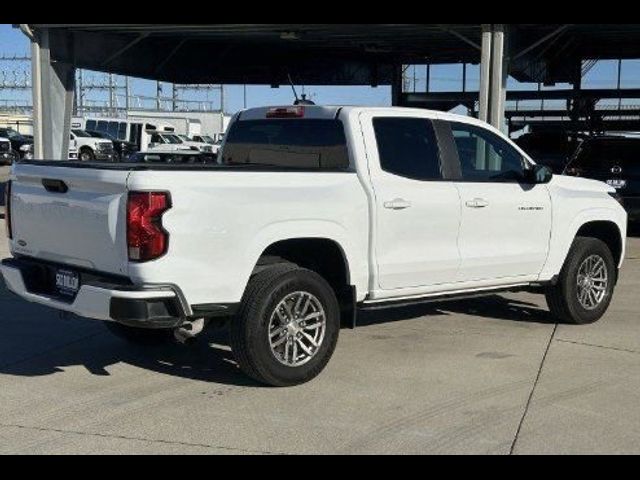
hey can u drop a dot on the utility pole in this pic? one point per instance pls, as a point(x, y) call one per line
point(158, 93)
point(174, 98)
point(127, 87)
point(111, 95)
point(81, 91)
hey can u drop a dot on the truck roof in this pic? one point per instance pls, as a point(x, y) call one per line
point(322, 112)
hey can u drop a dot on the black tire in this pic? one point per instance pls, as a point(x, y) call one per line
point(86, 155)
point(140, 336)
point(562, 298)
point(249, 331)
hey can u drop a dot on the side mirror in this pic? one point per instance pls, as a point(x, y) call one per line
point(539, 175)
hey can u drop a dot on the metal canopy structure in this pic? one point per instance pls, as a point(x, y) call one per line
point(312, 54)
point(326, 54)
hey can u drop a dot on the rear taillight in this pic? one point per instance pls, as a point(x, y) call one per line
point(146, 238)
point(7, 208)
point(286, 112)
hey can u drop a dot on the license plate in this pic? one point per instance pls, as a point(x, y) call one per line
point(67, 283)
point(617, 184)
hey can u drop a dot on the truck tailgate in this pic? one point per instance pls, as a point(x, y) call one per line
point(72, 216)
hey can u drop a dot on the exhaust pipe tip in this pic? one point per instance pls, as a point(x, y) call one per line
point(188, 333)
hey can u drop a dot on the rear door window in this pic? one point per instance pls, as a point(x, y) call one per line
point(299, 144)
point(408, 147)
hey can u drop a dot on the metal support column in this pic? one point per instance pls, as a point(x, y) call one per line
point(499, 78)
point(485, 71)
point(397, 85)
point(53, 97)
point(494, 74)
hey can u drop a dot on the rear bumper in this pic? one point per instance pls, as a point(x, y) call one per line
point(156, 306)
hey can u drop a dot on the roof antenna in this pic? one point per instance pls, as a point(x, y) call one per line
point(293, 87)
point(299, 101)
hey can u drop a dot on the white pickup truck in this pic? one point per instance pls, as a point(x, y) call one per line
point(313, 214)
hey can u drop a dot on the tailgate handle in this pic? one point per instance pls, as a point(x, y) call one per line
point(54, 186)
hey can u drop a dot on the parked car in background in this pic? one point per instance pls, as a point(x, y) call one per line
point(29, 153)
point(19, 142)
point(200, 146)
point(7, 155)
point(552, 149)
point(215, 144)
point(91, 148)
point(166, 141)
point(121, 149)
point(310, 214)
point(615, 161)
point(159, 157)
point(204, 139)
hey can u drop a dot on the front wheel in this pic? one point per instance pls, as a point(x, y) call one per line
point(86, 155)
point(585, 288)
point(288, 326)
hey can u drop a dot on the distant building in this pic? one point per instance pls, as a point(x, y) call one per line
point(20, 123)
point(187, 123)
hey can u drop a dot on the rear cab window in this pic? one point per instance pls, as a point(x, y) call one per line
point(306, 144)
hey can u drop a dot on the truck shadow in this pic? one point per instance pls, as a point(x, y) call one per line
point(35, 342)
point(205, 361)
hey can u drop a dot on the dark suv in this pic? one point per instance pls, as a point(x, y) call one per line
point(614, 160)
point(20, 144)
point(122, 150)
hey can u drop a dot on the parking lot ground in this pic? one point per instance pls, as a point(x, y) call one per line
point(459, 377)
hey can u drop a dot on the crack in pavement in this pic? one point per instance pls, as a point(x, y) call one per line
point(533, 390)
point(604, 347)
point(139, 439)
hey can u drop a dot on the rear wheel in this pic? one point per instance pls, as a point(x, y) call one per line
point(139, 336)
point(585, 288)
point(288, 326)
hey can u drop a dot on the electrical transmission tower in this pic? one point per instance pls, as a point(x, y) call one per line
point(113, 86)
point(15, 79)
point(179, 91)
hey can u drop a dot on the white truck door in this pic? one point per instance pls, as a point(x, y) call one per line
point(506, 224)
point(417, 213)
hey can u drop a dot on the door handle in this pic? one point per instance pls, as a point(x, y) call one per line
point(397, 204)
point(478, 203)
point(54, 186)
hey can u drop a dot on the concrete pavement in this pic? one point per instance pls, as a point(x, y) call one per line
point(459, 377)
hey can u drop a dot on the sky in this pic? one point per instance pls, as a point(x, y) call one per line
point(443, 78)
